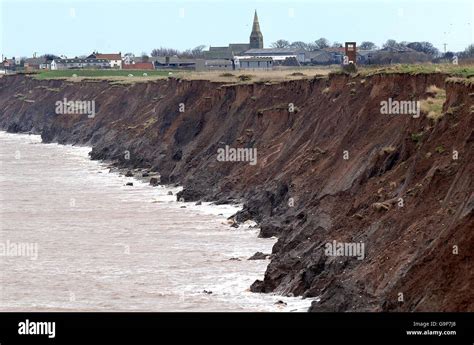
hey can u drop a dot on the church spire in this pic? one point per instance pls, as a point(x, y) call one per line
point(256, 25)
point(256, 37)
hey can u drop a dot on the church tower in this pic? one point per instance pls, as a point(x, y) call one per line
point(256, 37)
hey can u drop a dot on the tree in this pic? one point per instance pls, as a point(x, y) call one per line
point(390, 44)
point(128, 58)
point(367, 45)
point(281, 44)
point(145, 57)
point(311, 46)
point(186, 54)
point(50, 57)
point(448, 55)
point(299, 45)
point(198, 51)
point(468, 52)
point(321, 43)
point(164, 52)
point(337, 45)
point(423, 47)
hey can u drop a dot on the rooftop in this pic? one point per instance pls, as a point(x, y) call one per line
point(288, 51)
point(77, 60)
point(109, 56)
point(35, 61)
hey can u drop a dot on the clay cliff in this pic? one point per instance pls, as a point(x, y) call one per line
point(330, 167)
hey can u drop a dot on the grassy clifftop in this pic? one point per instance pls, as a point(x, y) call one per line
point(252, 76)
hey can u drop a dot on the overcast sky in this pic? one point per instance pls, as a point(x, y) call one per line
point(74, 28)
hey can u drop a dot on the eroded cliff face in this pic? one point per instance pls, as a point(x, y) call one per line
point(333, 169)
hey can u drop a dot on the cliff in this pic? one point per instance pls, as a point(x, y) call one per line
point(333, 169)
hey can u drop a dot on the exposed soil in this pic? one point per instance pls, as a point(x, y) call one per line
point(301, 190)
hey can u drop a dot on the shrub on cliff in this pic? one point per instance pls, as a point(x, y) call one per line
point(349, 68)
point(245, 77)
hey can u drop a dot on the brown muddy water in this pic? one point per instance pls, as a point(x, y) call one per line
point(73, 237)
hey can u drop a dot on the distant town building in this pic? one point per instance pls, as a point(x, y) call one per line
point(219, 64)
point(222, 52)
point(76, 63)
point(253, 54)
point(115, 60)
point(32, 64)
point(318, 57)
point(8, 64)
point(4, 66)
point(175, 62)
point(336, 53)
point(234, 49)
point(256, 63)
point(366, 57)
point(277, 54)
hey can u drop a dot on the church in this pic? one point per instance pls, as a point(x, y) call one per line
point(255, 42)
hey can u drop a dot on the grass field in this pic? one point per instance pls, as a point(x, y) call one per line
point(99, 73)
point(251, 76)
point(464, 71)
point(122, 76)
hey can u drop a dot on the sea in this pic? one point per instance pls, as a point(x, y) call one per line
point(75, 237)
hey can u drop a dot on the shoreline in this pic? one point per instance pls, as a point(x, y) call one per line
point(216, 211)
